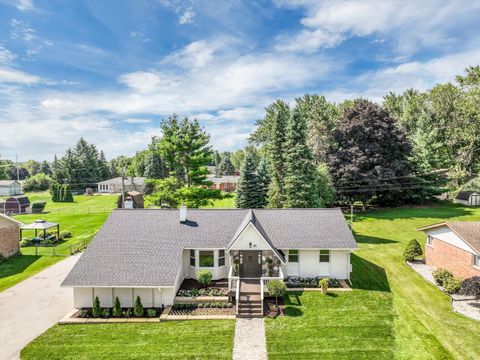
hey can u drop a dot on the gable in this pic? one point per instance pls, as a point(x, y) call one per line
point(446, 234)
point(250, 239)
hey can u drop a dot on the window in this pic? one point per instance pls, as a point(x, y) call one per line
point(476, 261)
point(192, 257)
point(293, 256)
point(324, 256)
point(221, 257)
point(206, 259)
point(429, 241)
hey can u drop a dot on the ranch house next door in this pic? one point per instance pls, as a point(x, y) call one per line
point(250, 264)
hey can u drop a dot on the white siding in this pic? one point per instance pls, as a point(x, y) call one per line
point(218, 272)
point(105, 295)
point(125, 295)
point(82, 297)
point(445, 234)
point(250, 235)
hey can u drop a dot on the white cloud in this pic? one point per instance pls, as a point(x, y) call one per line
point(187, 16)
point(22, 30)
point(6, 56)
point(10, 75)
point(196, 54)
point(139, 36)
point(413, 23)
point(25, 5)
point(137, 121)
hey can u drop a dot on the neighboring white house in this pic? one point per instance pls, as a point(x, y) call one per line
point(149, 252)
point(469, 198)
point(10, 187)
point(114, 186)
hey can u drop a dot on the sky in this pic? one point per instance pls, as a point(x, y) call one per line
point(110, 70)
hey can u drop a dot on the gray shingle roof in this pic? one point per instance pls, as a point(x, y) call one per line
point(144, 247)
point(465, 195)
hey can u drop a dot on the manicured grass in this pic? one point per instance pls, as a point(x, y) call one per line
point(226, 203)
point(393, 313)
point(195, 339)
point(82, 218)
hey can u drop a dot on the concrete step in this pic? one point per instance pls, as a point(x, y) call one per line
point(249, 316)
point(251, 305)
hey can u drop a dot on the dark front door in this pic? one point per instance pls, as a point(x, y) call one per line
point(251, 266)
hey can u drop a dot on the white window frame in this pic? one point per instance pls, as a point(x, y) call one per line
point(192, 257)
point(200, 256)
point(297, 255)
point(221, 258)
point(324, 254)
point(430, 241)
point(476, 261)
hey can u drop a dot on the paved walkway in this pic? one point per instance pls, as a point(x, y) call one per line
point(250, 343)
point(32, 306)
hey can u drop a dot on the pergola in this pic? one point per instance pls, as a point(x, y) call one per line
point(41, 225)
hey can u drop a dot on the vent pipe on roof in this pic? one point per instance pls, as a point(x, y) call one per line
point(183, 213)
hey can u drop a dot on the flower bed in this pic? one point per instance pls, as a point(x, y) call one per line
point(309, 282)
point(193, 293)
point(203, 309)
point(86, 313)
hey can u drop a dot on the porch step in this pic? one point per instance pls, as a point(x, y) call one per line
point(250, 305)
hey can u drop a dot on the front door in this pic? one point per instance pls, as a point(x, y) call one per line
point(251, 266)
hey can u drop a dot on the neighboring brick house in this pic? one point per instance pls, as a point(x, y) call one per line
point(455, 246)
point(9, 236)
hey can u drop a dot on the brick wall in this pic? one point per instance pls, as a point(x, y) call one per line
point(9, 240)
point(452, 258)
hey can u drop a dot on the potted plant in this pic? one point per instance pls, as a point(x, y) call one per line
point(236, 263)
point(323, 283)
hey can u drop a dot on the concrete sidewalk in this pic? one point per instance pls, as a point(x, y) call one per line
point(250, 342)
point(32, 306)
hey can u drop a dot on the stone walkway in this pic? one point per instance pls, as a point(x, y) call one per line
point(250, 342)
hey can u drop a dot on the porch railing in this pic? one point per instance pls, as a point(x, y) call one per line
point(234, 283)
point(264, 280)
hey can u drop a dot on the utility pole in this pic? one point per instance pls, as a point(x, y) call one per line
point(16, 163)
point(123, 186)
point(351, 215)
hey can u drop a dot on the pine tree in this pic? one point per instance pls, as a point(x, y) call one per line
point(138, 307)
point(226, 167)
point(278, 114)
point(103, 169)
point(300, 178)
point(263, 183)
point(154, 166)
point(248, 195)
point(45, 168)
point(117, 309)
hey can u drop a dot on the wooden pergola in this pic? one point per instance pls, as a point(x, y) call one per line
point(40, 225)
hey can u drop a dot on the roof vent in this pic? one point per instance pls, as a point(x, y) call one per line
point(183, 213)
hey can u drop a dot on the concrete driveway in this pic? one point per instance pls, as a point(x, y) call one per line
point(32, 306)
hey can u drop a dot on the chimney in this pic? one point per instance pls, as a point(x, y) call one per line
point(183, 213)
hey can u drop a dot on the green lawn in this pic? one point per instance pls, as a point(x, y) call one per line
point(226, 203)
point(392, 313)
point(195, 339)
point(82, 218)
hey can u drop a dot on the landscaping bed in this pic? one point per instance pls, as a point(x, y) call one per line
point(270, 309)
point(295, 282)
point(127, 313)
point(202, 311)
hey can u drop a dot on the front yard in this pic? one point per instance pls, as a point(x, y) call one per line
point(196, 339)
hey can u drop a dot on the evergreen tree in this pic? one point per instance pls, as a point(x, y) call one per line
point(300, 178)
point(226, 167)
point(154, 166)
point(263, 183)
point(248, 194)
point(45, 168)
point(103, 168)
point(217, 160)
point(278, 114)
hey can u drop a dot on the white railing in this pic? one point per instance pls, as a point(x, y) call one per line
point(264, 280)
point(234, 283)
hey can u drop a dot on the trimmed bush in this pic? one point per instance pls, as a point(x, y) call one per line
point(127, 313)
point(201, 305)
point(65, 234)
point(151, 313)
point(138, 309)
point(276, 288)
point(105, 313)
point(229, 305)
point(323, 283)
point(117, 309)
point(84, 314)
point(441, 276)
point(96, 310)
point(204, 277)
point(38, 206)
point(412, 250)
point(452, 285)
point(470, 287)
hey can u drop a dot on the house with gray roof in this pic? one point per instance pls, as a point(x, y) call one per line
point(149, 252)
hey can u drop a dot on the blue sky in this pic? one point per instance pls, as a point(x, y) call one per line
point(110, 70)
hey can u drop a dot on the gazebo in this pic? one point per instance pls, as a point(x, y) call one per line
point(41, 225)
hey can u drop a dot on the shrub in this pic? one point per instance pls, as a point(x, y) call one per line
point(117, 309)
point(127, 313)
point(84, 313)
point(204, 277)
point(452, 285)
point(471, 287)
point(38, 206)
point(151, 313)
point(276, 288)
point(323, 283)
point(138, 309)
point(105, 313)
point(38, 182)
point(412, 250)
point(96, 310)
point(65, 234)
point(441, 276)
point(201, 305)
point(229, 305)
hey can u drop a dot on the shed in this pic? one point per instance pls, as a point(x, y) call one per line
point(15, 205)
point(135, 197)
point(10, 187)
point(469, 198)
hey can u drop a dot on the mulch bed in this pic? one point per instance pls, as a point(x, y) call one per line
point(203, 311)
point(79, 312)
point(270, 310)
point(189, 284)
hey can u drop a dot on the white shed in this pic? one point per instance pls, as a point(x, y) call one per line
point(10, 187)
point(469, 198)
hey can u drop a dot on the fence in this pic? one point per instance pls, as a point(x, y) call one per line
point(59, 250)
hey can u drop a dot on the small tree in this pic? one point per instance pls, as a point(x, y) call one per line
point(96, 310)
point(138, 309)
point(471, 287)
point(323, 283)
point(117, 309)
point(276, 288)
point(412, 250)
point(204, 277)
